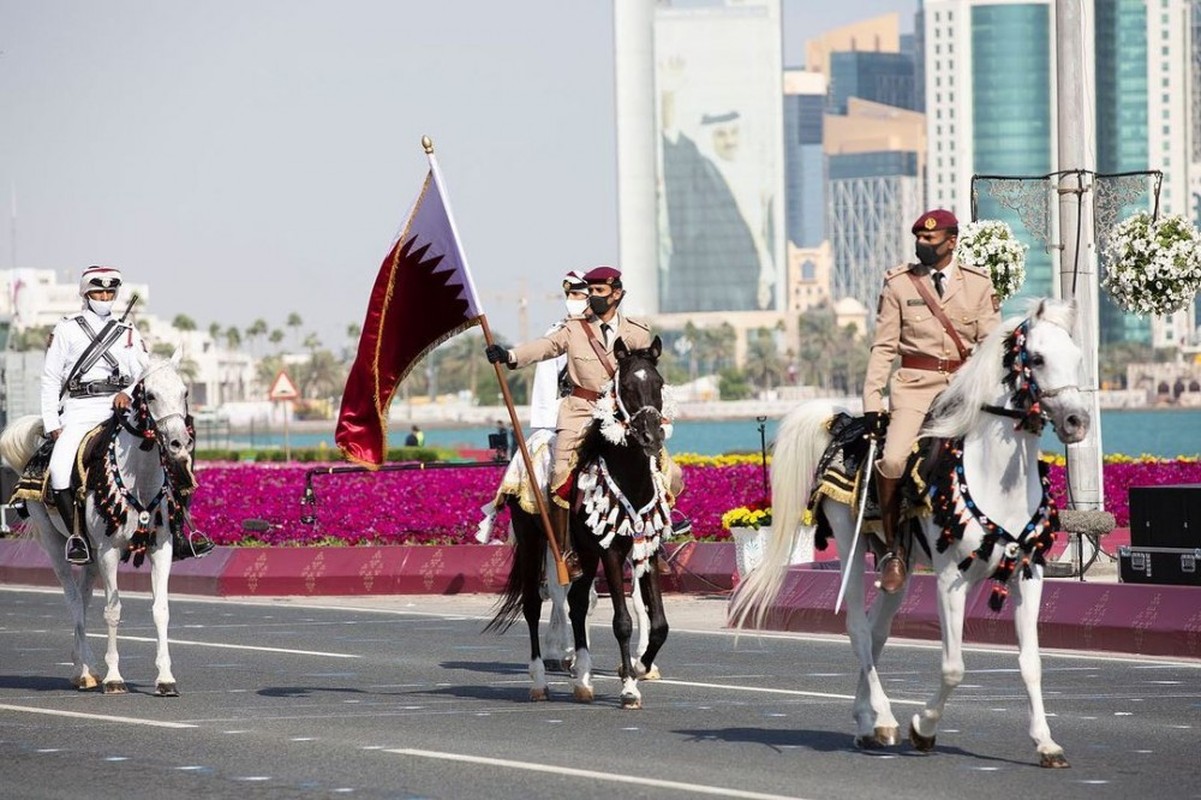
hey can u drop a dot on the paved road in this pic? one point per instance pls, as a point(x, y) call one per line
point(402, 697)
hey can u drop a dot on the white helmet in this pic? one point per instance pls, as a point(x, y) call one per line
point(94, 278)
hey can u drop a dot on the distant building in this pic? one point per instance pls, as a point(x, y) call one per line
point(875, 156)
point(804, 159)
point(886, 78)
point(700, 155)
point(989, 83)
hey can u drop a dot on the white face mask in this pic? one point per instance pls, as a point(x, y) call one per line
point(576, 307)
point(101, 308)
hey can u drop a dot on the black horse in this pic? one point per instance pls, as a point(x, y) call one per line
point(620, 512)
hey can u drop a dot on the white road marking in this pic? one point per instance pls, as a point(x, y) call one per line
point(691, 788)
point(761, 690)
point(153, 723)
point(226, 646)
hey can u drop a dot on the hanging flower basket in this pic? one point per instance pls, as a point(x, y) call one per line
point(1154, 266)
point(989, 244)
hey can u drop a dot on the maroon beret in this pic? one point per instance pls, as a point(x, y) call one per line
point(937, 220)
point(608, 275)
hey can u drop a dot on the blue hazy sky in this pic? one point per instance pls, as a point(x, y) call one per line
point(251, 159)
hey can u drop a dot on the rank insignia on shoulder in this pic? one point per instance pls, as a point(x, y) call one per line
point(915, 302)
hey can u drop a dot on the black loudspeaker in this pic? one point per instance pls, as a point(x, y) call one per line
point(1166, 516)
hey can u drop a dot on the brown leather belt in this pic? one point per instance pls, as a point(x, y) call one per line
point(587, 394)
point(945, 365)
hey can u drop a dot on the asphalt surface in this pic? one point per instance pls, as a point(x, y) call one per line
point(403, 697)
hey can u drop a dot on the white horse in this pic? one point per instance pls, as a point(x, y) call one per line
point(131, 515)
point(990, 416)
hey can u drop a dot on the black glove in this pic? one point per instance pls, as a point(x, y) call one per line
point(496, 354)
point(876, 422)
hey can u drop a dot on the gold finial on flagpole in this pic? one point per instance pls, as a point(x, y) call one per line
point(428, 144)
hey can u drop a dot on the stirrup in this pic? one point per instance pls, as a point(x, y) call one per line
point(572, 562)
point(194, 545)
point(77, 551)
point(893, 573)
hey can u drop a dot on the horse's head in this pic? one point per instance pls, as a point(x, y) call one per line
point(1044, 369)
point(640, 394)
point(160, 409)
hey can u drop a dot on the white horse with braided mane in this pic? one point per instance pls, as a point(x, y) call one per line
point(137, 501)
point(991, 515)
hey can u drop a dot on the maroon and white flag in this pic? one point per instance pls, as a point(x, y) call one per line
point(423, 295)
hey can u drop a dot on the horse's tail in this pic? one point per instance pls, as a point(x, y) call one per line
point(21, 440)
point(800, 442)
point(525, 572)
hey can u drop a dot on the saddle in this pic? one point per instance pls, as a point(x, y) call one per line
point(34, 483)
point(839, 472)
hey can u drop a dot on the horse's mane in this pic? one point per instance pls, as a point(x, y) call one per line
point(958, 408)
point(593, 442)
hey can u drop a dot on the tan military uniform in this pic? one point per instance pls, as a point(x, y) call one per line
point(586, 371)
point(905, 326)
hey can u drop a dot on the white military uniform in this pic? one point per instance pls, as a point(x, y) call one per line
point(77, 415)
point(544, 395)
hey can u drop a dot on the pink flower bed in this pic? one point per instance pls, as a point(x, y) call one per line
point(443, 506)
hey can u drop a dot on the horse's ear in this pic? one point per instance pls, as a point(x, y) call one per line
point(656, 348)
point(176, 357)
point(620, 350)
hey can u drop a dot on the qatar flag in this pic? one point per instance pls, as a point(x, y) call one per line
point(423, 295)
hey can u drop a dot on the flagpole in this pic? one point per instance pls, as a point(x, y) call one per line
point(427, 144)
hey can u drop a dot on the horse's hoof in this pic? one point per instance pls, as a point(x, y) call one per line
point(166, 690)
point(888, 736)
point(652, 674)
point(85, 682)
point(872, 742)
point(921, 743)
point(116, 687)
point(539, 694)
point(1053, 760)
point(631, 701)
point(582, 694)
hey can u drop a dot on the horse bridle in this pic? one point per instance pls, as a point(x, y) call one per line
point(1026, 395)
point(147, 426)
point(621, 406)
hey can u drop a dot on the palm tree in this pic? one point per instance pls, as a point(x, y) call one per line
point(294, 322)
point(763, 360)
point(354, 332)
point(275, 338)
point(233, 338)
point(254, 331)
point(184, 324)
point(323, 376)
point(215, 331)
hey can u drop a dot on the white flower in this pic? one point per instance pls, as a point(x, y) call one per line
point(1154, 265)
point(990, 244)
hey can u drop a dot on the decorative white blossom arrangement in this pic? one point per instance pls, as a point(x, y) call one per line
point(990, 244)
point(1153, 265)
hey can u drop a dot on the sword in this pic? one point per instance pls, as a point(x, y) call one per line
point(848, 557)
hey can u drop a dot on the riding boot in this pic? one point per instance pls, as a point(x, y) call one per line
point(892, 565)
point(78, 549)
point(560, 522)
point(193, 542)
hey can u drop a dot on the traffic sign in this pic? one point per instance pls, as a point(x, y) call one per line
point(282, 388)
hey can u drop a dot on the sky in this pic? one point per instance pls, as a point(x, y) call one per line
point(254, 159)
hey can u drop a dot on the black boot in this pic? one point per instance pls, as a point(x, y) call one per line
point(191, 544)
point(78, 550)
point(892, 565)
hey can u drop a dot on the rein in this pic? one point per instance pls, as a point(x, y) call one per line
point(115, 500)
point(1026, 395)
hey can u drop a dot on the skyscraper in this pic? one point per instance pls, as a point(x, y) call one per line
point(699, 90)
point(804, 161)
point(989, 69)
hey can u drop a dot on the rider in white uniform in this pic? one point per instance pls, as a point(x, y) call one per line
point(78, 396)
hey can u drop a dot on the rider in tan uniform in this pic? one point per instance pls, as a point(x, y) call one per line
point(585, 340)
point(908, 324)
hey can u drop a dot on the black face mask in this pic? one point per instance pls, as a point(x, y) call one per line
point(927, 254)
point(599, 305)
